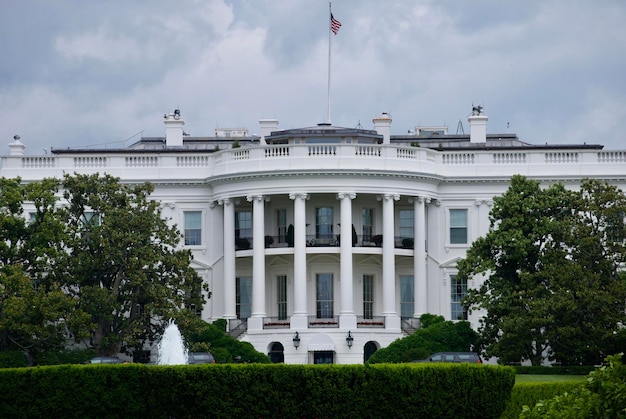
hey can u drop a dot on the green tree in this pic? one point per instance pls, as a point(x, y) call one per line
point(121, 262)
point(551, 284)
point(36, 314)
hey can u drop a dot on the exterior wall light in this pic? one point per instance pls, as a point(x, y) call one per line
point(296, 340)
point(349, 340)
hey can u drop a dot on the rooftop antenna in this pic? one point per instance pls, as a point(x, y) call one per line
point(459, 128)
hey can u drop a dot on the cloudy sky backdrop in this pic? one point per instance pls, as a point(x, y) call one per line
point(86, 73)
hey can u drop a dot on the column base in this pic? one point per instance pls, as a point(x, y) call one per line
point(347, 321)
point(299, 322)
point(255, 323)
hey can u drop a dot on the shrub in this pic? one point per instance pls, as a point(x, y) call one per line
point(436, 336)
point(13, 359)
point(602, 396)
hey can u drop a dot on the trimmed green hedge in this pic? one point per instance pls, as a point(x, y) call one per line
point(530, 393)
point(556, 370)
point(256, 391)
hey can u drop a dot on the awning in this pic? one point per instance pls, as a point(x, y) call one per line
point(321, 347)
point(321, 342)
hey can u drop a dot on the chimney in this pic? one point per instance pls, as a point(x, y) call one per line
point(267, 126)
point(478, 125)
point(173, 129)
point(382, 125)
point(16, 147)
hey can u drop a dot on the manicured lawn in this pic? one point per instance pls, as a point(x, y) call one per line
point(541, 378)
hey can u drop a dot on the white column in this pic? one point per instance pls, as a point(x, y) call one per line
point(419, 258)
point(258, 257)
point(230, 301)
point(389, 263)
point(347, 318)
point(299, 319)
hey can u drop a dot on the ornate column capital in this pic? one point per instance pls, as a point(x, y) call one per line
point(224, 201)
point(388, 197)
point(301, 195)
point(349, 195)
point(259, 198)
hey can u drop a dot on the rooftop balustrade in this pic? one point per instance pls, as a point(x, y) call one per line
point(185, 165)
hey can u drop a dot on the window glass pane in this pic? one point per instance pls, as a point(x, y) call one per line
point(282, 296)
point(368, 296)
point(324, 223)
point(407, 296)
point(405, 224)
point(367, 219)
point(458, 290)
point(243, 224)
point(324, 297)
point(281, 224)
point(244, 297)
point(458, 226)
point(193, 228)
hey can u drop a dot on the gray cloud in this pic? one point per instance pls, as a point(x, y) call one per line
point(80, 73)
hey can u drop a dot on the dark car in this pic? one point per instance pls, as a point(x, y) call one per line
point(200, 358)
point(105, 360)
point(457, 357)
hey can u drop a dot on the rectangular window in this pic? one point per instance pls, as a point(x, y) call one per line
point(193, 228)
point(458, 226)
point(368, 296)
point(406, 222)
point(281, 286)
point(281, 225)
point(244, 297)
point(367, 220)
point(324, 223)
point(458, 291)
point(407, 296)
point(243, 224)
point(324, 296)
point(91, 218)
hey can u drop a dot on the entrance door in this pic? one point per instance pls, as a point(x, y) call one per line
point(323, 357)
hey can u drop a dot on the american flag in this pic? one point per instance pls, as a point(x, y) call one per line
point(334, 24)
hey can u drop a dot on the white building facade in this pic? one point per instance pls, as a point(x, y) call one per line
point(324, 244)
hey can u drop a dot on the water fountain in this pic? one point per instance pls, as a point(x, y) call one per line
point(172, 349)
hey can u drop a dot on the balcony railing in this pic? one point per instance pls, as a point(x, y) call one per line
point(329, 322)
point(276, 323)
point(370, 322)
point(272, 242)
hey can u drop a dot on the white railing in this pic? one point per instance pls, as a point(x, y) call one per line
point(388, 158)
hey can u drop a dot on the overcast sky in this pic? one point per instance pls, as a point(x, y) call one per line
point(79, 73)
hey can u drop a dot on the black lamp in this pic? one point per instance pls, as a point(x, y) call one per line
point(296, 340)
point(349, 339)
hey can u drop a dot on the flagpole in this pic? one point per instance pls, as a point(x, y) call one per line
point(330, 13)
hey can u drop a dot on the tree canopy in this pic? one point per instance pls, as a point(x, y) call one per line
point(95, 262)
point(551, 273)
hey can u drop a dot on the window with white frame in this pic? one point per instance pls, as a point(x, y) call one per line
point(407, 296)
point(458, 291)
point(91, 218)
point(281, 287)
point(243, 224)
point(243, 287)
point(324, 296)
point(367, 221)
point(458, 226)
point(193, 228)
point(281, 225)
point(324, 223)
point(368, 296)
point(406, 224)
